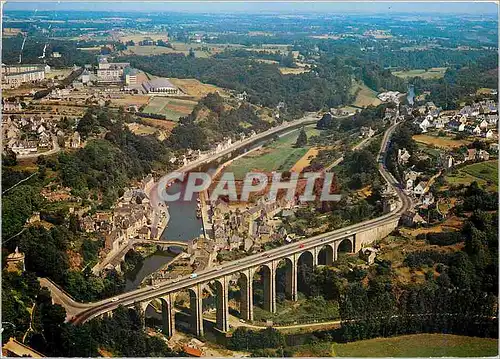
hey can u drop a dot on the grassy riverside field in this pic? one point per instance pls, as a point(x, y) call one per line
point(279, 155)
point(415, 345)
point(420, 345)
point(484, 173)
point(433, 73)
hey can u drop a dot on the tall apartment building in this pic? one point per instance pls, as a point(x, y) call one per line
point(14, 76)
point(110, 72)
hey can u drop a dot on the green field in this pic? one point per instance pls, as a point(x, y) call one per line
point(484, 173)
point(300, 311)
point(419, 345)
point(432, 73)
point(280, 155)
point(487, 171)
point(171, 108)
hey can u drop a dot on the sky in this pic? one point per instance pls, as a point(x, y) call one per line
point(259, 6)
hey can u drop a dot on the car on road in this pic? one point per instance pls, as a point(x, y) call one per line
point(156, 286)
point(265, 255)
point(194, 275)
point(301, 245)
point(115, 299)
point(242, 320)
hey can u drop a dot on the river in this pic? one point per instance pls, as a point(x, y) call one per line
point(150, 265)
point(411, 94)
point(183, 224)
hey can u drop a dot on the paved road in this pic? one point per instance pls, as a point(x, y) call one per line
point(307, 119)
point(147, 293)
point(59, 296)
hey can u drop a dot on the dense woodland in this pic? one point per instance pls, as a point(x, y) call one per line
point(121, 335)
point(328, 85)
point(33, 50)
point(212, 120)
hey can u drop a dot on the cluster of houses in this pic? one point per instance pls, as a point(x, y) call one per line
point(367, 132)
point(479, 119)
point(253, 225)
point(133, 217)
point(33, 135)
point(196, 155)
point(390, 96)
point(447, 161)
point(28, 135)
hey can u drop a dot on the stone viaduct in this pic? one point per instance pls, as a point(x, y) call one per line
point(304, 257)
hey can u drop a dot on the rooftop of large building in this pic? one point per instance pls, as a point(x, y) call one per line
point(158, 83)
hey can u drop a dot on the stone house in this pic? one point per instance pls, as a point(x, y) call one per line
point(411, 218)
point(367, 132)
point(403, 156)
point(420, 188)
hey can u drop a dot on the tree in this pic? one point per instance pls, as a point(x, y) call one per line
point(288, 60)
point(9, 158)
point(301, 139)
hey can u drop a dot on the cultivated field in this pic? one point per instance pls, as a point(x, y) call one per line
point(419, 345)
point(484, 91)
point(129, 100)
point(163, 124)
point(487, 171)
point(280, 155)
point(140, 37)
point(195, 88)
point(365, 96)
point(442, 142)
point(200, 50)
point(432, 73)
point(171, 108)
point(293, 70)
point(139, 129)
point(305, 160)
